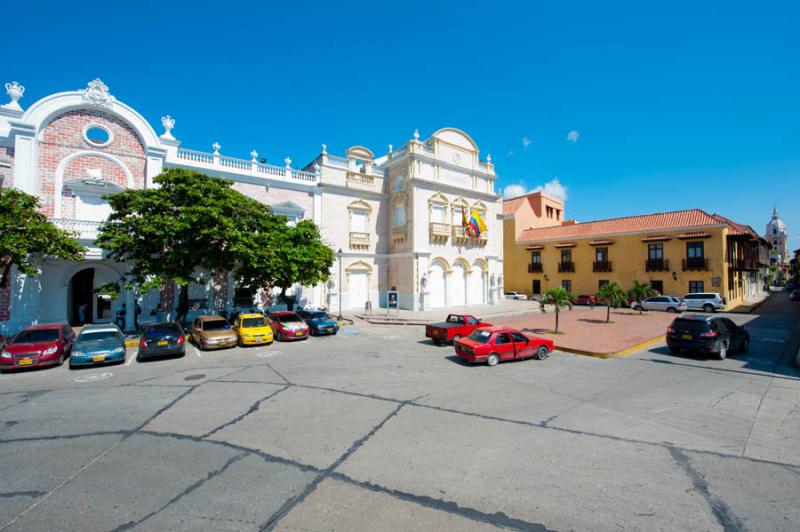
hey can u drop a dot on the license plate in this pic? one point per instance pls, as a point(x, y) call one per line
point(299, 333)
point(330, 329)
point(25, 362)
point(99, 358)
point(162, 342)
point(687, 336)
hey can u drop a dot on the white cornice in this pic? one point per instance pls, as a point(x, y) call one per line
point(623, 233)
point(241, 178)
point(438, 185)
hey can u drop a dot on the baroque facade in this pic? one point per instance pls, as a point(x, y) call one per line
point(394, 220)
point(778, 237)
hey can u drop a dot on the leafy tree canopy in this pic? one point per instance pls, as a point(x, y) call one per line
point(640, 291)
point(613, 295)
point(26, 233)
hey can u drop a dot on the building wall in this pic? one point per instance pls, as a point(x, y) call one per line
point(628, 255)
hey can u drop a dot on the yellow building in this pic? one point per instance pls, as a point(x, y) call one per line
point(676, 252)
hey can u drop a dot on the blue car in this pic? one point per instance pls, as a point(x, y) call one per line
point(98, 344)
point(319, 322)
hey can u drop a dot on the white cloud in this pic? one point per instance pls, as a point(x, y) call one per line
point(573, 136)
point(510, 153)
point(526, 142)
point(553, 188)
point(512, 191)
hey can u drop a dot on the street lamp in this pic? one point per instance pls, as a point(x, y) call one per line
point(339, 255)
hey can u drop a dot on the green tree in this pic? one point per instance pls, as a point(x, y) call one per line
point(282, 255)
point(640, 291)
point(559, 298)
point(188, 223)
point(613, 295)
point(26, 233)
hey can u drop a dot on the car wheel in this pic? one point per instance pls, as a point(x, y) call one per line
point(61, 358)
point(437, 342)
point(745, 345)
point(72, 366)
point(492, 360)
point(672, 310)
point(723, 350)
point(279, 336)
point(542, 353)
point(456, 338)
point(708, 308)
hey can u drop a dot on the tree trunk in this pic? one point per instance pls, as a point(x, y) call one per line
point(640, 307)
point(6, 275)
point(183, 304)
point(556, 319)
point(608, 313)
point(289, 304)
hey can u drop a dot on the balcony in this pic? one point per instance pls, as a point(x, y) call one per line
point(744, 264)
point(399, 233)
point(360, 178)
point(460, 234)
point(439, 231)
point(359, 240)
point(566, 267)
point(695, 264)
point(601, 266)
point(83, 229)
point(656, 265)
point(535, 267)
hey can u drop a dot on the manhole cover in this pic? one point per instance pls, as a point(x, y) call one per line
point(195, 377)
point(94, 377)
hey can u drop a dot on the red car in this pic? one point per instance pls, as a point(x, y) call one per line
point(585, 300)
point(37, 346)
point(456, 326)
point(494, 344)
point(288, 326)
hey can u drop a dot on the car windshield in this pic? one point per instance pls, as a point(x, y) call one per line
point(254, 322)
point(481, 336)
point(94, 336)
point(317, 315)
point(216, 325)
point(288, 318)
point(162, 330)
point(36, 336)
point(690, 325)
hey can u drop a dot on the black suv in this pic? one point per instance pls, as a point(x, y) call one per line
point(707, 334)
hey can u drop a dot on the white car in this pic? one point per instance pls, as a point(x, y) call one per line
point(705, 301)
point(516, 296)
point(663, 303)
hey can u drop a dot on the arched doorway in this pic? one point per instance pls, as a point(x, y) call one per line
point(437, 286)
point(456, 288)
point(83, 304)
point(80, 308)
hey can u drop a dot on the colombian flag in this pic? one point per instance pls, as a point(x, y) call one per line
point(476, 224)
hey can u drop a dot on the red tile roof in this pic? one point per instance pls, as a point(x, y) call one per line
point(511, 206)
point(688, 219)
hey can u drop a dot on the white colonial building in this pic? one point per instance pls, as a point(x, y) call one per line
point(778, 237)
point(395, 221)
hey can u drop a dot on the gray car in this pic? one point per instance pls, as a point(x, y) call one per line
point(662, 303)
point(98, 344)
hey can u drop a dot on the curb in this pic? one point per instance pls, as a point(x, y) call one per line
point(618, 354)
point(753, 308)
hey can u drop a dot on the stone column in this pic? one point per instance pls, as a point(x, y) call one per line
point(130, 310)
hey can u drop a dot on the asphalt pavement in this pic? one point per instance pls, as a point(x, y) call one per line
point(377, 429)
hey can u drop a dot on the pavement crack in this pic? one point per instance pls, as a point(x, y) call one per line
point(294, 501)
point(721, 511)
point(253, 408)
point(499, 519)
point(184, 493)
point(278, 373)
point(12, 494)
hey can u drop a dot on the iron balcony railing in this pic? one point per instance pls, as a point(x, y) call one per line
point(656, 265)
point(566, 267)
point(695, 263)
point(535, 267)
point(601, 266)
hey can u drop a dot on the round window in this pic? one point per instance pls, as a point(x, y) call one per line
point(97, 135)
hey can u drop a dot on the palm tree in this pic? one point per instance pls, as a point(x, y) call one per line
point(613, 295)
point(559, 298)
point(641, 291)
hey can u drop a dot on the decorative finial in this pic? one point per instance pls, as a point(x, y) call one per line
point(316, 168)
point(216, 148)
point(15, 92)
point(324, 148)
point(96, 93)
point(288, 162)
point(488, 157)
point(254, 155)
point(390, 148)
point(168, 122)
point(416, 134)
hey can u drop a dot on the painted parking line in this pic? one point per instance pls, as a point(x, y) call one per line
point(267, 354)
point(131, 357)
point(93, 377)
point(196, 351)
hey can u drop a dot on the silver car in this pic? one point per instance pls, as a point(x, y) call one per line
point(516, 295)
point(662, 303)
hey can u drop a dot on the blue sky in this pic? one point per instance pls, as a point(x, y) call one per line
point(677, 105)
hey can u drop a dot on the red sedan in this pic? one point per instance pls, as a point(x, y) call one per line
point(493, 344)
point(288, 326)
point(40, 345)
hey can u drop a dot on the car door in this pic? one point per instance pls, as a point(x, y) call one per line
point(522, 347)
point(736, 332)
point(504, 346)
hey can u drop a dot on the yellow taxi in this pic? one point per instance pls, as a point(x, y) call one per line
point(253, 329)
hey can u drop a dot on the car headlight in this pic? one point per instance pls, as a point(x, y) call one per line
point(5, 354)
point(78, 354)
point(50, 350)
point(119, 350)
point(247, 335)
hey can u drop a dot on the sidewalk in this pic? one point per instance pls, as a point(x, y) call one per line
point(750, 306)
point(506, 307)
